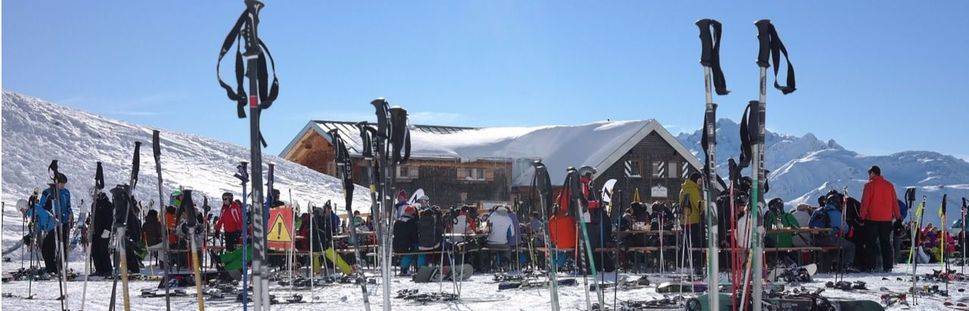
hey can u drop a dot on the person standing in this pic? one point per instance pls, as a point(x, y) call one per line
point(691, 203)
point(230, 220)
point(44, 211)
point(879, 211)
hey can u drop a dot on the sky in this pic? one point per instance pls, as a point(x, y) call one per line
point(877, 76)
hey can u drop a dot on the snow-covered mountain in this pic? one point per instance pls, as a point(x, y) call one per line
point(36, 131)
point(802, 168)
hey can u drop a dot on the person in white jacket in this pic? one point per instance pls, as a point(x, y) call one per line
point(500, 232)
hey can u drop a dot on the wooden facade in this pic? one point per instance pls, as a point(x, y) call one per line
point(447, 181)
point(658, 165)
point(649, 160)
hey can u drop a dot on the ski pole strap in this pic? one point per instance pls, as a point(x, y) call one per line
point(710, 31)
point(745, 139)
point(770, 51)
point(244, 30)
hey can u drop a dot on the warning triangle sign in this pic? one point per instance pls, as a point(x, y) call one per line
point(278, 232)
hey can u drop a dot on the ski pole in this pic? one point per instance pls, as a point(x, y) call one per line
point(58, 234)
point(165, 264)
point(260, 97)
point(710, 32)
point(243, 175)
point(962, 230)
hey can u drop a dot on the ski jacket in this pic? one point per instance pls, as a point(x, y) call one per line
point(691, 202)
point(103, 216)
point(230, 218)
point(827, 217)
point(43, 219)
point(170, 223)
point(587, 192)
point(803, 215)
point(405, 234)
point(151, 230)
point(502, 228)
point(323, 232)
point(879, 202)
point(562, 231)
point(516, 230)
point(430, 229)
point(47, 202)
point(780, 220)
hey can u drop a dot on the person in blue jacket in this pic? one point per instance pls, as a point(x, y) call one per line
point(48, 216)
point(830, 216)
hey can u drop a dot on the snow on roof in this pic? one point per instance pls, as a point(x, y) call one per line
point(597, 144)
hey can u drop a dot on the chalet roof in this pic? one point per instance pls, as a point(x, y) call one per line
point(597, 144)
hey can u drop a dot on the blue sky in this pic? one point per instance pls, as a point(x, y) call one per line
point(877, 76)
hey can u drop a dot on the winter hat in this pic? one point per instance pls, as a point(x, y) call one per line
point(410, 210)
point(61, 178)
point(776, 204)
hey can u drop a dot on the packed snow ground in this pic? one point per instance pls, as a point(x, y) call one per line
point(479, 293)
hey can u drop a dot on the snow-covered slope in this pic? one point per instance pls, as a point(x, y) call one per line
point(802, 168)
point(37, 131)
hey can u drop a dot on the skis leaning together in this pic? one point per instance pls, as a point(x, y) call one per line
point(345, 168)
point(123, 203)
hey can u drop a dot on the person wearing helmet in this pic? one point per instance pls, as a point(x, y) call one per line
point(230, 220)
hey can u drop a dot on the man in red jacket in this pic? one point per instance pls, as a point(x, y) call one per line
point(879, 211)
point(230, 219)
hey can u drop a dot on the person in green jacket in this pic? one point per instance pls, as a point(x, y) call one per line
point(777, 218)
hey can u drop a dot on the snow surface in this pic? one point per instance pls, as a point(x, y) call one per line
point(36, 131)
point(480, 293)
point(803, 168)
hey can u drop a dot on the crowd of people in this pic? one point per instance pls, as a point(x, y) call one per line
point(858, 235)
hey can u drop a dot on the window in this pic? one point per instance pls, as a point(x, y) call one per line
point(673, 169)
point(659, 169)
point(407, 172)
point(477, 174)
point(633, 169)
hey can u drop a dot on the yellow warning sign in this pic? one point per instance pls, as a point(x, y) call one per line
point(280, 233)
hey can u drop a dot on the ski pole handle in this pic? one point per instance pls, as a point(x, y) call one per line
point(136, 159)
point(764, 28)
point(706, 40)
point(155, 145)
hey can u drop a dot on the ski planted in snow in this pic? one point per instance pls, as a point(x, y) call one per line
point(95, 193)
point(543, 185)
point(156, 153)
point(123, 202)
point(345, 169)
point(58, 235)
